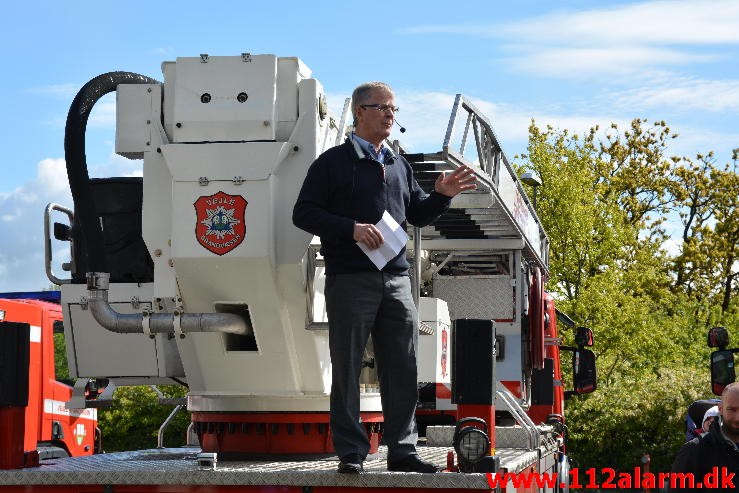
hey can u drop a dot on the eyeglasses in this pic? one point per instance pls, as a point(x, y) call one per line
point(380, 107)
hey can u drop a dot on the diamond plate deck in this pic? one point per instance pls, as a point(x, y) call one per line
point(488, 298)
point(177, 466)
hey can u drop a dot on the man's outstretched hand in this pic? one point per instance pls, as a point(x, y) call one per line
point(459, 180)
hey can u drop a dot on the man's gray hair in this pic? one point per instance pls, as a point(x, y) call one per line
point(363, 93)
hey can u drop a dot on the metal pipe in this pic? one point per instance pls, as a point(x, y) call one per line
point(151, 323)
point(192, 437)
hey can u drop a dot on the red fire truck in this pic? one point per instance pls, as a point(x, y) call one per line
point(28, 323)
point(194, 274)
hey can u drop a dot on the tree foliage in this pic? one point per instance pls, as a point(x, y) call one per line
point(60, 359)
point(133, 420)
point(607, 201)
point(708, 201)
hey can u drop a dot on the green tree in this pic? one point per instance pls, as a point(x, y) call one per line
point(706, 267)
point(636, 172)
point(133, 420)
point(583, 243)
point(692, 192)
point(723, 238)
point(61, 369)
point(603, 203)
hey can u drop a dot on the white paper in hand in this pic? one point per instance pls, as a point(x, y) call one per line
point(395, 240)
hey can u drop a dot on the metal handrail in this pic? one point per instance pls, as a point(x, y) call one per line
point(311, 264)
point(47, 240)
point(520, 415)
point(343, 122)
point(160, 433)
point(486, 142)
point(492, 161)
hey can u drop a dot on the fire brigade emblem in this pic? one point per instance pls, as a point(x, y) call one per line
point(220, 226)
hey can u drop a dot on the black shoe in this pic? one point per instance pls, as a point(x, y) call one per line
point(351, 464)
point(412, 463)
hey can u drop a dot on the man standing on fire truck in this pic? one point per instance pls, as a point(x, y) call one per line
point(346, 192)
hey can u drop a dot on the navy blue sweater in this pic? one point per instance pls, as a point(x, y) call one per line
point(343, 187)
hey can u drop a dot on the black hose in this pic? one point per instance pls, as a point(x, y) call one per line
point(86, 217)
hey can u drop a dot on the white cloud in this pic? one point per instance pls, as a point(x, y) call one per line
point(64, 91)
point(694, 140)
point(103, 113)
point(653, 22)
point(51, 177)
point(634, 58)
point(603, 61)
point(163, 51)
point(425, 115)
point(705, 22)
point(335, 101)
point(685, 93)
point(21, 216)
point(118, 166)
point(626, 39)
point(21, 213)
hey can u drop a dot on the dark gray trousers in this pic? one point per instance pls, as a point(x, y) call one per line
point(380, 304)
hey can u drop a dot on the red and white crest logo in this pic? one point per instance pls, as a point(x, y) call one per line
point(220, 226)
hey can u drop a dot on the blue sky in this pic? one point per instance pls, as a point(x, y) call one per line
point(569, 63)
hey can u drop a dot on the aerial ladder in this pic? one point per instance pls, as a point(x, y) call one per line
point(195, 275)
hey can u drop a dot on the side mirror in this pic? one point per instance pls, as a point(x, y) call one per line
point(718, 337)
point(583, 371)
point(722, 369)
point(583, 362)
point(584, 337)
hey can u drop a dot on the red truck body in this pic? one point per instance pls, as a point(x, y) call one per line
point(49, 426)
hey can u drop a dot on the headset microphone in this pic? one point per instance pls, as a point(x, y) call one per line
point(402, 128)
